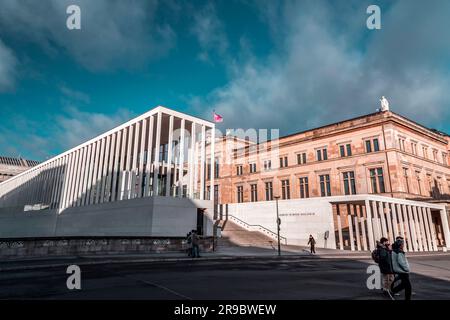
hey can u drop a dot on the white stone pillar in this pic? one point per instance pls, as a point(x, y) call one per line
point(68, 179)
point(377, 221)
point(383, 220)
point(141, 168)
point(369, 226)
point(433, 230)
point(122, 166)
point(104, 174)
point(128, 163)
point(202, 163)
point(81, 173)
point(405, 226)
point(426, 231)
point(181, 164)
point(417, 228)
point(90, 168)
point(169, 159)
point(350, 228)
point(98, 172)
point(413, 229)
point(338, 217)
point(94, 173)
point(394, 221)
point(116, 169)
point(389, 222)
point(135, 161)
point(192, 163)
point(358, 239)
point(157, 164)
point(149, 183)
point(445, 228)
point(422, 229)
point(362, 221)
point(110, 168)
point(213, 163)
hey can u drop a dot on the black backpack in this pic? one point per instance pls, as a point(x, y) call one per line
point(376, 255)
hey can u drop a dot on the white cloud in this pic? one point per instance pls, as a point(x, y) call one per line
point(114, 34)
point(209, 32)
point(321, 71)
point(8, 63)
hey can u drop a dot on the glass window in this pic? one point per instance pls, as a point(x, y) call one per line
point(269, 191)
point(349, 183)
point(304, 189)
point(285, 189)
point(368, 146)
point(254, 192)
point(325, 187)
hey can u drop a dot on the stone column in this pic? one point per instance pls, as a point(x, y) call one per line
point(213, 164)
point(104, 174)
point(156, 162)
point(141, 169)
point(433, 230)
point(116, 168)
point(149, 167)
point(192, 161)
point(377, 221)
point(181, 164)
point(338, 217)
point(428, 228)
point(135, 161)
point(422, 229)
point(383, 220)
point(88, 174)
point(363, 220)
point(350, 228)
point(202, 163)
point(358, 239)
point(445, 228)
point(426, 231)
point(369, 226)
point(394, 222)
point(413, 229)
point(169, 160)
point(110, 168)
point(417, 229)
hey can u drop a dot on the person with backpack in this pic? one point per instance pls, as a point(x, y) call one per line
point(312, 243)
point(385, 265)
point(400, 267)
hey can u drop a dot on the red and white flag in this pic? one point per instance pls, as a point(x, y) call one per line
point(217, 117)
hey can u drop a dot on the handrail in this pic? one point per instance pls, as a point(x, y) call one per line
point(259, 226)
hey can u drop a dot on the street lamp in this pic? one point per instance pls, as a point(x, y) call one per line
point(278, 226)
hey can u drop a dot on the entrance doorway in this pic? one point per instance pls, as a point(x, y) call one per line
point(200, 221)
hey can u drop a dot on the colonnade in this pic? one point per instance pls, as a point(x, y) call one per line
point(162, 152)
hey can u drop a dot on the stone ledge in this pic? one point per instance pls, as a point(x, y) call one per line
point(36, 247)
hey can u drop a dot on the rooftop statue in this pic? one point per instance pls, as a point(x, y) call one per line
point(384, 104)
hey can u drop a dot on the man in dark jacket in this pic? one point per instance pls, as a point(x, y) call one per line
point(385, 264)
point(312, 243)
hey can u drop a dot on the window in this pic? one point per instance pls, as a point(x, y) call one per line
point(267, 165)
point(216, 194)
point(430, 184)
point(372, 145)
point(322, 154)
point(377, 180)
point(325, 187)
point(217, 167)
point(254, 192)
point(419, 183)
point(414, 148)
point(425, 152)
point(444, 159)
point(435, 155)
point(252, 167)
point(269, 191)
point(304, 189)
point(285, 189)
point(345, 150)
point(401, 144)
point(349, 183)
point(301, 158)
point(239, 170)
point(283, 162)
point(208, 193)
point(405, 176)
point(240, 194)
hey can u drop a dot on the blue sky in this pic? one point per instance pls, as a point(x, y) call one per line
point(290, 65)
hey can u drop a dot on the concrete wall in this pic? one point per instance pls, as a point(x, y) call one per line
point(299, 219)
point(150, 216)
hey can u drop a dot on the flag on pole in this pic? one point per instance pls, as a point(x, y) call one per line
point(217, 117)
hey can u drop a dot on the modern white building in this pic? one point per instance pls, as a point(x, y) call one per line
point(146, 177)
point(352, 222)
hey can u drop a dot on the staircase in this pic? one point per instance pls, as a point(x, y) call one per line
point(234, 234)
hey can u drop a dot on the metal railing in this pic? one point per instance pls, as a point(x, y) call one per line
point(257, 227)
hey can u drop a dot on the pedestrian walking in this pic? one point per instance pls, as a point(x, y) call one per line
point(400, 267)
point(312, 243)
point(189, 243)
point(195, 246)
point(385, 264)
